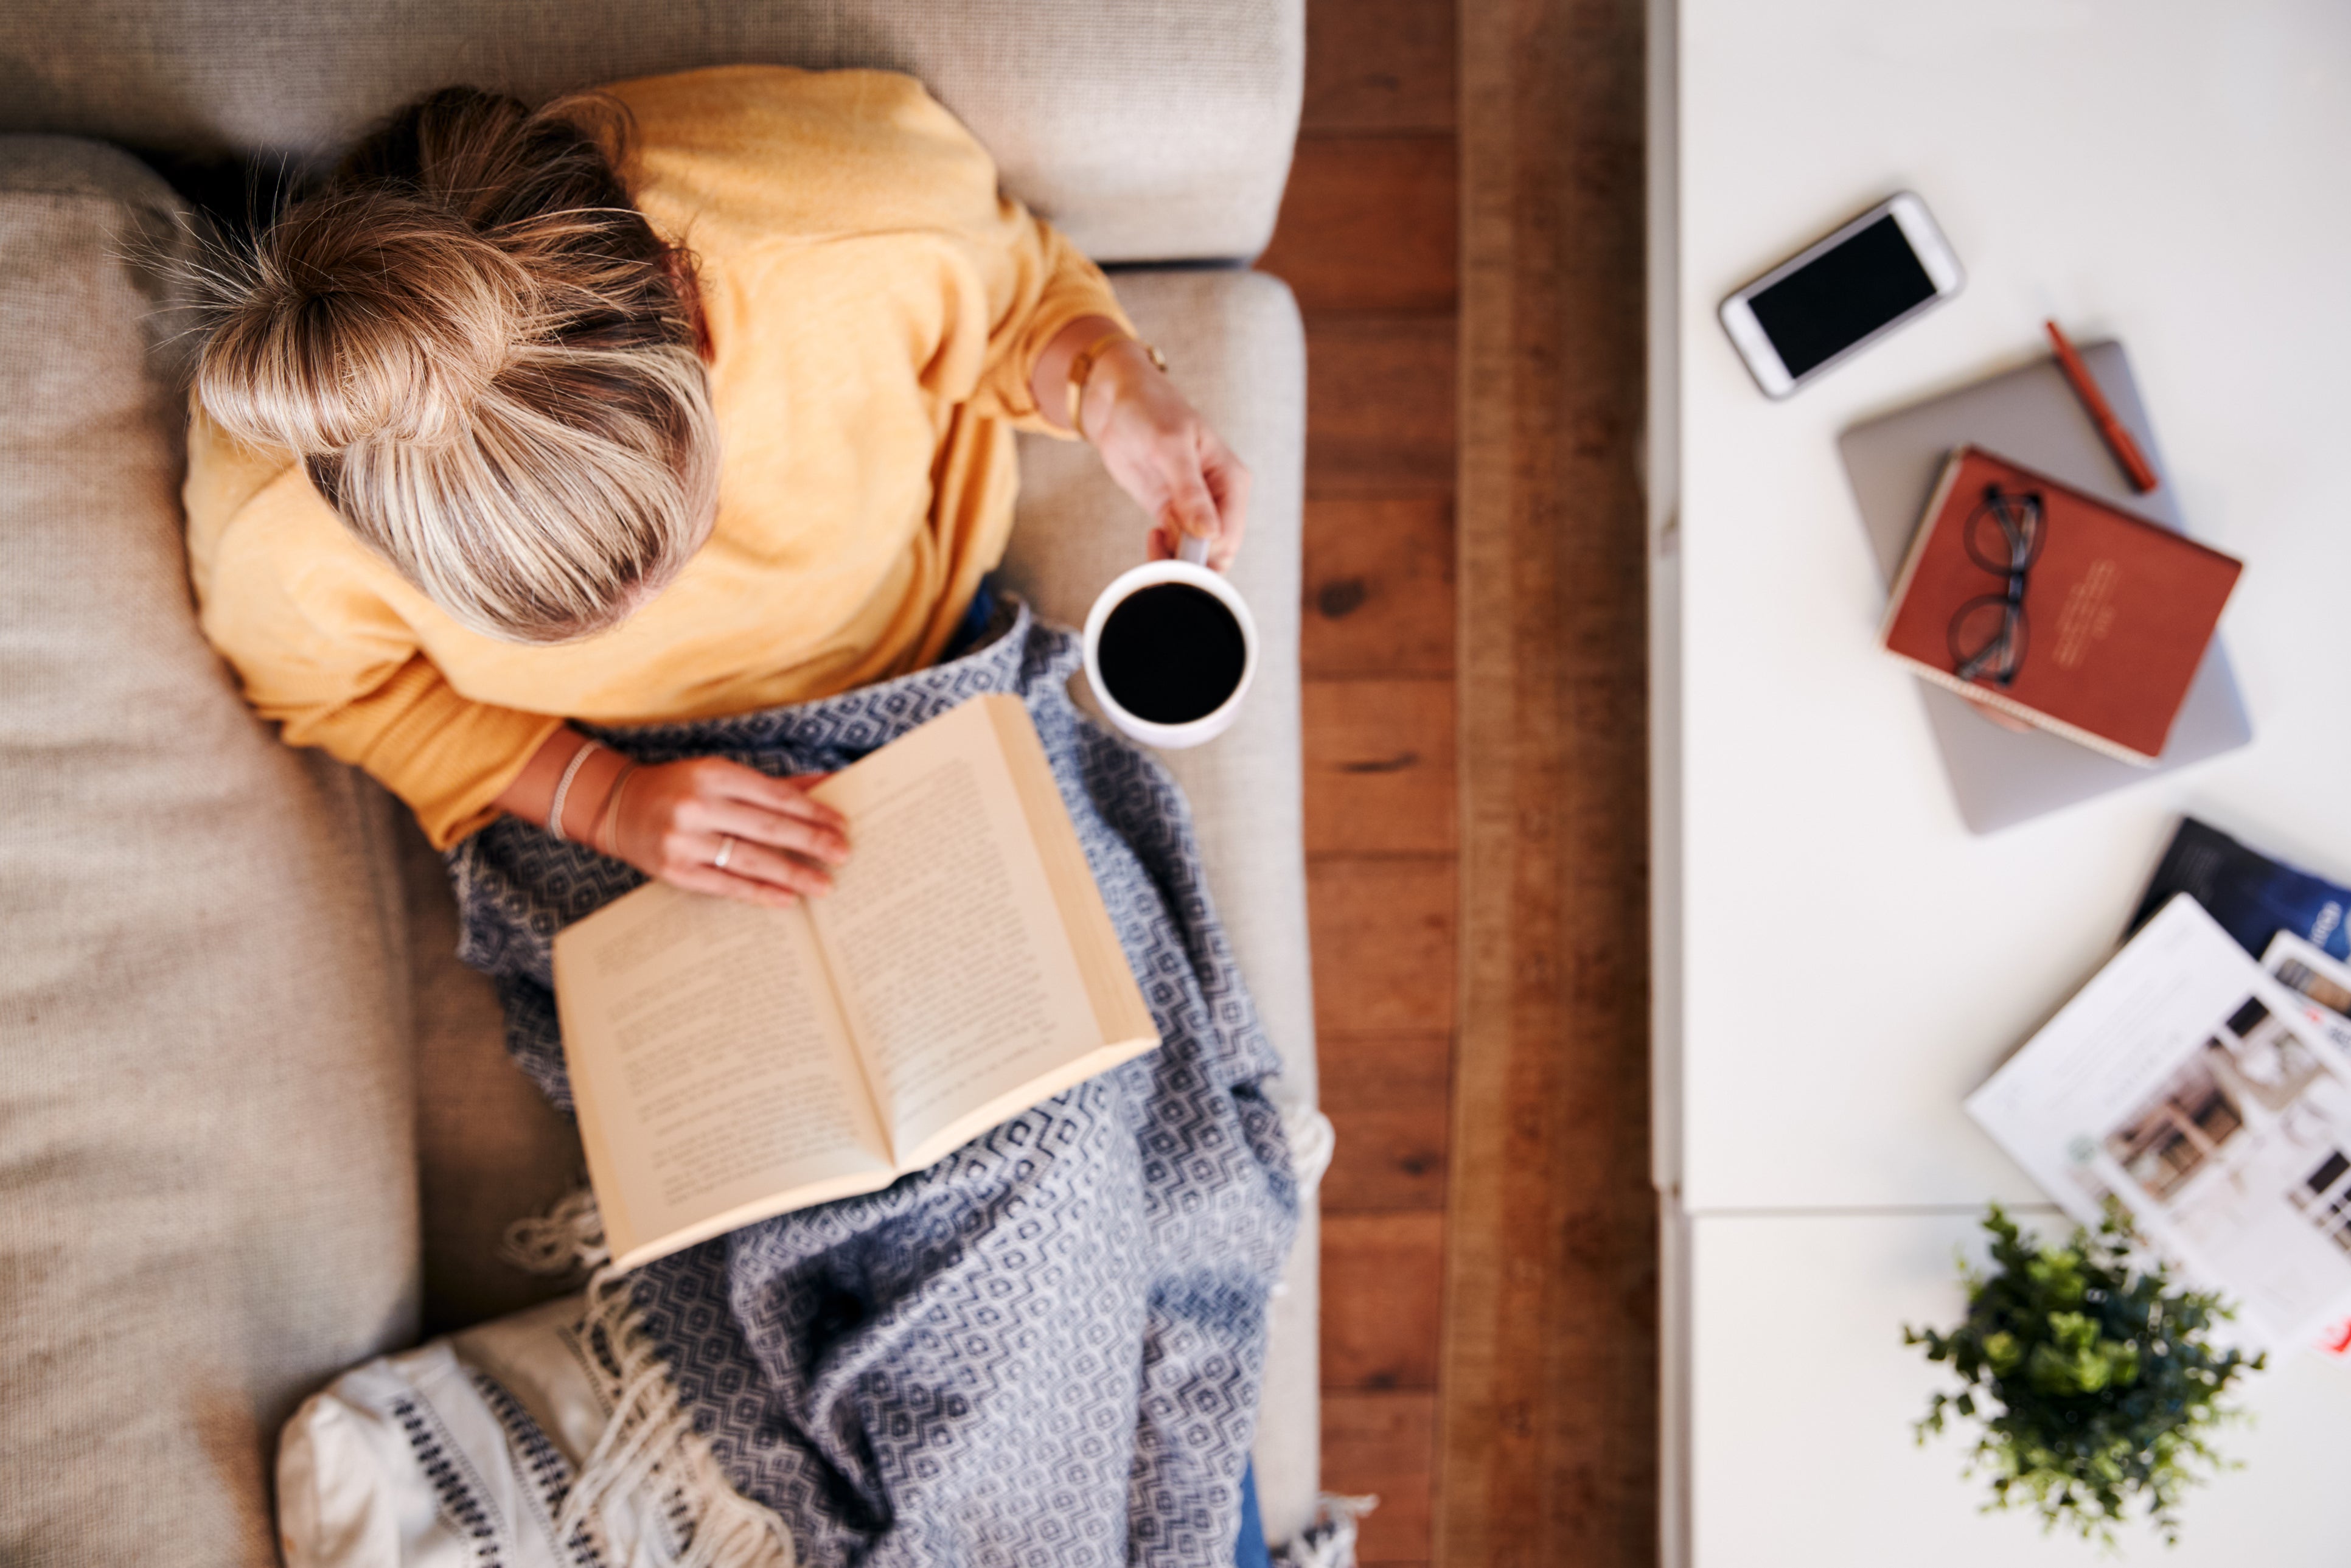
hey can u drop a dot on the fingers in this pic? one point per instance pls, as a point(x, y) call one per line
point(754, 872)
point(1188, 507)
point(731, 799)
point(783, 839)
point(777, 841)
point(1208, 500)
point(1228, 479)
point(1159, 450)
point(814, 841)
point(751, 861)
point(720, 779)
point(726, 884)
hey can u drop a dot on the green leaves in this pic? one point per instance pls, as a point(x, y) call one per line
point(2091, 1378)
point(2076, 1358)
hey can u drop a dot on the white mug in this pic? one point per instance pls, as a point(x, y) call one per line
point(1190, 568)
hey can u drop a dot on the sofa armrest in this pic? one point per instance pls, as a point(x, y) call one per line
point(1234, 345)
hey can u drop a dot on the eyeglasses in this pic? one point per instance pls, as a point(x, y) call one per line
point(1988, 634)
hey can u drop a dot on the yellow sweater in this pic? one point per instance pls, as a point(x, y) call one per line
point(875, 310)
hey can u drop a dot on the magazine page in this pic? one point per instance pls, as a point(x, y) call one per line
point(2325, 985)
point(2320, 979)
point(2192, 1086)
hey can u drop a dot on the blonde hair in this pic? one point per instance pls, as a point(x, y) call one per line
point(486, 359)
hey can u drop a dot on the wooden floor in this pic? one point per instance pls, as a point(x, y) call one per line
point(1528, 1441)
point(1367, 240)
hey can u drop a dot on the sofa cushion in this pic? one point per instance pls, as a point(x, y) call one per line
point(1147, 129)
point(490, 1147)
point(207, 1189)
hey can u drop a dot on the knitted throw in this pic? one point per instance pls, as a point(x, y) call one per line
point(1046, 1348)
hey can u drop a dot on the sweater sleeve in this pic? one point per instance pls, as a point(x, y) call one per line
point(1035, 282)
point(298, 611)
point(447, 757)
point(1054, 284)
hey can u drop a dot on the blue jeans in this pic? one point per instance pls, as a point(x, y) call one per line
point(1250, 1551)
point(975, 617)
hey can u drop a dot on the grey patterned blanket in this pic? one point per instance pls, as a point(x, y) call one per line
point(1047, 1348)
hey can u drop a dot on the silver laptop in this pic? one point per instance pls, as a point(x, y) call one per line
point(2031, 415)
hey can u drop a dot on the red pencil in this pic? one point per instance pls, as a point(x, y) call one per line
point(2118, 440)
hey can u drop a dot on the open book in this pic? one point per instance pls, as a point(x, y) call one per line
point(730, 1062)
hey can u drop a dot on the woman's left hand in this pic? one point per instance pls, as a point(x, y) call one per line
point(1161, 451)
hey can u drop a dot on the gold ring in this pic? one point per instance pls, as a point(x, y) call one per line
point(726, 851)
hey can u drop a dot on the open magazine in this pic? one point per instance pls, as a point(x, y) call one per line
point(2213, 1099)
point(2325, 985)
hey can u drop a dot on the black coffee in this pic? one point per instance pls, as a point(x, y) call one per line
point(1170, 652)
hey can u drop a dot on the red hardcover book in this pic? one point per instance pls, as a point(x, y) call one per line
point(2027, 595)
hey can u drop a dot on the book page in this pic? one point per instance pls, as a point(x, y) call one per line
point(1121, 1015)
point(960, 984)
point(710, 1063)
point(2191, 1085)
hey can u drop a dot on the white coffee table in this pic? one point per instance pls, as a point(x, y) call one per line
point(1839, 960)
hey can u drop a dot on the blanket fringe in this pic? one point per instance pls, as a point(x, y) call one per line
point(1330, 1540)
point(650, 1455)
point(1313, 1141)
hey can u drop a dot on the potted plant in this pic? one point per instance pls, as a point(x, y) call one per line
point(2094, 1380)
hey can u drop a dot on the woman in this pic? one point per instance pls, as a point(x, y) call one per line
point(580, 473)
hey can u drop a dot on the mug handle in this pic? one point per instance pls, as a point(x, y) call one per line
point(1193, 550)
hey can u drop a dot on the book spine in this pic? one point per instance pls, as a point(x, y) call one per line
point(2031, 716)
point(1919, 538)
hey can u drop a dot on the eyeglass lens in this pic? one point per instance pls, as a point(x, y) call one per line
point(1987, 637)
point(2004, 533)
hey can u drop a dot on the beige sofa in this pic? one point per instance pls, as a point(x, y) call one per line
point(255, 1123)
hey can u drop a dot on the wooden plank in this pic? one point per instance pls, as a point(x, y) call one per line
point(1367, 224)
point(1379, 587)
point(1379, 405)
point(1383, 1282)
point(1383, 1443)
point(1381, 1072)
point(1548, 1442)
point(1366, 231)
point(1383, 943)
point(1385, 1095)
point(1379, 766)
point(1391, 1158)
point(1378, 66)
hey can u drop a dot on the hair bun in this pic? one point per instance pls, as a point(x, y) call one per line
point(369, 315)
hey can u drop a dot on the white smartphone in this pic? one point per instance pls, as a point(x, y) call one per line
point(1847, 290)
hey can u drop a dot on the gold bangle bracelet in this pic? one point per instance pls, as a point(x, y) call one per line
point(609, 842)
point(1083, 367)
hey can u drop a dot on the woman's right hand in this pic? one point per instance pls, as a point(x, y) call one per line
point(676, 818)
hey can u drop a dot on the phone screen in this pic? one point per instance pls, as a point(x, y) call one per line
point(1839, 298)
